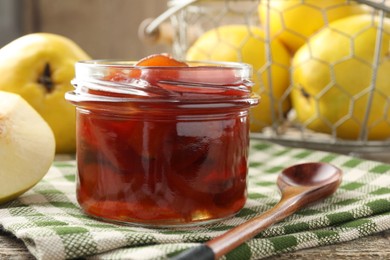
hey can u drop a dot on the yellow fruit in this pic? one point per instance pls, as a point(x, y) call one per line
point(39, 67)
point(293, 22)
point(332, 78)
point(239, 43)
point(27, 146)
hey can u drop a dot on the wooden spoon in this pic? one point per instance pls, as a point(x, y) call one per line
point(299, 185)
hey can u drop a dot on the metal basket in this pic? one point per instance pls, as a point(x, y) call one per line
point(189, 19)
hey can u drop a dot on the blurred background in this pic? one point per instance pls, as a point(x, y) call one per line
point(104, 29)
point(277, 37)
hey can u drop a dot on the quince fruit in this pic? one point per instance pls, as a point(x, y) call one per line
point(239, 43)
point(337, 88)
point(293, 22)
point(39, 67)
point(27, 146)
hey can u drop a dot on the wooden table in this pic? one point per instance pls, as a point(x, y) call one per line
point(376, 246)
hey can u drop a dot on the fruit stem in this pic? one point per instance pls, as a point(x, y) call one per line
point(304, 93)
point(45, 79)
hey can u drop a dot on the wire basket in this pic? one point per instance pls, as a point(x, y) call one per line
point(358, 123)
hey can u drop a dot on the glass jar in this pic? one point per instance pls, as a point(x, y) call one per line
point(162, 146)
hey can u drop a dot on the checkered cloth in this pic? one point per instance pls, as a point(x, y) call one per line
point(49, 221)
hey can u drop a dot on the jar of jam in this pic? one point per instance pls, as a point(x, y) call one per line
point(162, 145)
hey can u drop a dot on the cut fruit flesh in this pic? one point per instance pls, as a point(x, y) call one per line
point(27, 146)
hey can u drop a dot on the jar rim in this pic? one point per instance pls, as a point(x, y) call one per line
point(202, 82)
point(121, 63)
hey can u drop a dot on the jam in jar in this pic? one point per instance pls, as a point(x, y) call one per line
point(162, 144)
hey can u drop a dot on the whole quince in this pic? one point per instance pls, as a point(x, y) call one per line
point(39, 67)
point(239, 43)
point(293, 22)
point(340, 86)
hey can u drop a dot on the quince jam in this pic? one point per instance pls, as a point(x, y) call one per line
point(162, 142)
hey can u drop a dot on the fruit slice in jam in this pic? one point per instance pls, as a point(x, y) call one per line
point(160, 60)
point(154, 75)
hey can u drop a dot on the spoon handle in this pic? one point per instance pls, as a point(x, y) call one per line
point(201, 252)
point(226, 242)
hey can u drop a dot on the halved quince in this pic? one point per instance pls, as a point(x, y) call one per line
point(27, 146)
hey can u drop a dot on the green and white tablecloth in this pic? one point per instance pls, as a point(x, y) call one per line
point(51, 224)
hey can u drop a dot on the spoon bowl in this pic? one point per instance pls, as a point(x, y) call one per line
point(309, 174)
point(299, 184)
point(306, 183)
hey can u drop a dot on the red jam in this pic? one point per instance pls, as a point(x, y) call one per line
point(173, 152)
